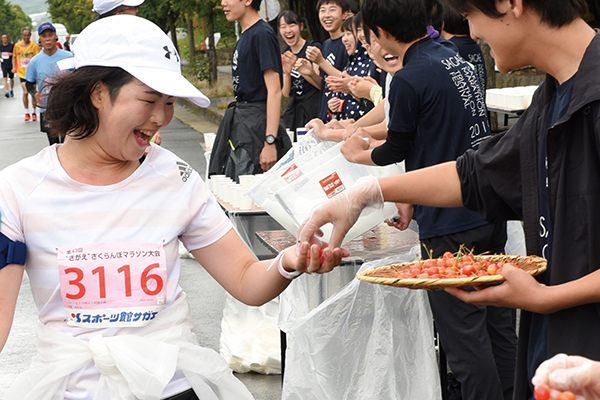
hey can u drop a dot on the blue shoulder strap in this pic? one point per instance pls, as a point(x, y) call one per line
point(11, 252)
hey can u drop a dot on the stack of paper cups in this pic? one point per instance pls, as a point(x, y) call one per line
point(209, 140)
point(234, 197)
point(214, 183)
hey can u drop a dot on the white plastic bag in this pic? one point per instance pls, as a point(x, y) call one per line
point(366, 342)
point(250, 337)
point(310, 173)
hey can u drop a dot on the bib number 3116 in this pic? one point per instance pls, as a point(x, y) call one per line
point(112, 284)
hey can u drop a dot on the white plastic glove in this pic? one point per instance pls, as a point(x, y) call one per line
point(577, 374)
point(342, 211)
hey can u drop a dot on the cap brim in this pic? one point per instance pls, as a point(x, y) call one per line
point(170, 83)
point(67, 63)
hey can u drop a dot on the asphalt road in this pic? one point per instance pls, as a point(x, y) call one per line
point(19, 139)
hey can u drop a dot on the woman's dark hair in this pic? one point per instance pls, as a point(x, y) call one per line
point(290, 17)
point(554, 13)
point(360, 23)
point(114, 11)
point(405, 20)
point(455, 23)
point(348, 25)
point(70, 109)
point(436, 9)
point(358, 20)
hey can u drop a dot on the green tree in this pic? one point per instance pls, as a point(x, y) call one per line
point(73, 14)
point(164, 14)
point(12, 19)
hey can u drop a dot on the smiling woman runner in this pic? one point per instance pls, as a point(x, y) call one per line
point(102, 215)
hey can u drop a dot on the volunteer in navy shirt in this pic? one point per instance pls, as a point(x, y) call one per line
point(304, 97)
point(259, 49)
point(471, 52)
point(335, 53)
point(445, 129)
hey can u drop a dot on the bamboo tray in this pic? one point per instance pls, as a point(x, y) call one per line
point(385, 275)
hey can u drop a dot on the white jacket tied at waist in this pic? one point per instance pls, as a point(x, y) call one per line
point(132, 366)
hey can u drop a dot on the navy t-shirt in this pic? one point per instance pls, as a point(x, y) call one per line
point(300, 86)
point(4, 53)
point(256, 51)
point(437, 103)
point(538, 349)
point(335, 53)
point(470, 51)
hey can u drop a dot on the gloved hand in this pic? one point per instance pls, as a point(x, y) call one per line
point(342, 211)
point(577, 374)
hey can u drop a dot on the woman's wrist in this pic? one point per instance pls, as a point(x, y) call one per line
point(281, 269)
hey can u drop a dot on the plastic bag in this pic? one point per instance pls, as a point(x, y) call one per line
point(299, 181)
point(365, 342)
point(250, 338)
point(515, 243)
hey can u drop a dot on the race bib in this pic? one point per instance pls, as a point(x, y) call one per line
point(25, 62)
point(110, 285)
point(5, 55)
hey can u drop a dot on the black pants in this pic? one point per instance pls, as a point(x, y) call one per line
point(480, 342)
point(187, 395)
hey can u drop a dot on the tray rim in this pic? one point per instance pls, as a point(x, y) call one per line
point(441, 283)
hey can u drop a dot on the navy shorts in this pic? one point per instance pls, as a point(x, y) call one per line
point(7, 70)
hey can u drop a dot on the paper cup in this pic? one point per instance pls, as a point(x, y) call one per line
point(290, 134)
point(234, 197)
point(246, 180)
point(246, 202)
point(223, 188)
point(209, 140)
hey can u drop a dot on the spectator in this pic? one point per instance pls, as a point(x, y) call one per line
point(250, 138)
point(333, 57)
point(345, 105)
point(302, 91)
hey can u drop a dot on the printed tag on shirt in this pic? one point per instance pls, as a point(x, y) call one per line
point(112, 284)
point(332, 185)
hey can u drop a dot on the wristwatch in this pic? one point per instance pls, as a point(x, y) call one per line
point(270, 139)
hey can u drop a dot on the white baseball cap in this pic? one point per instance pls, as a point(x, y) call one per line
point(104, 6)
point(139, 47)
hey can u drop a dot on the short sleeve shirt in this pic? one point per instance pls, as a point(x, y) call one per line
point(23, 55)
point(256, 51)
point(437, 95)
point(163, 201)
point(6, 54)
point(43, 71)
point(300, 86)
point(471, 52)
